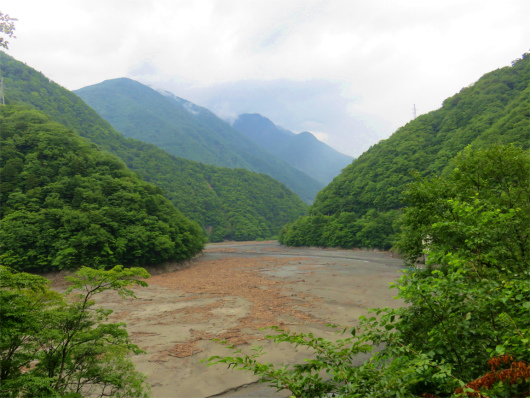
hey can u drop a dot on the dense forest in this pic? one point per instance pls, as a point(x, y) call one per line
point(65, 204)
point(226, 203)
point(360, 207)
point(184, 129)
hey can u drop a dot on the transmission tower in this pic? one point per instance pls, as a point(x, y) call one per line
point(414, 111)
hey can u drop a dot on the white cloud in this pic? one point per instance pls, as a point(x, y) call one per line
point(384, 55)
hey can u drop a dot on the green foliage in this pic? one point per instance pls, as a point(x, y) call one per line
point(324, 374)
point(469, 307)
point(60, 345)
point(495, 182)
point(65, 204)
point(218, 199)
point(494, 110)
point(7, 28)
point(345, 230)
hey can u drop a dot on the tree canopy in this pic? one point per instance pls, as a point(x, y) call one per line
point(496, 183)
point(7, 29)
point(65, 204)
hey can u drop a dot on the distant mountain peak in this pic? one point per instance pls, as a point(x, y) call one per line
point(308, 135)
point(260, 124)
point(303, 151)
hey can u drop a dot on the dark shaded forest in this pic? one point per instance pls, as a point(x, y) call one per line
point(65, 204)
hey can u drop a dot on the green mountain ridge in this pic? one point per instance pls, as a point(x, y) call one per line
point(226, 203)
point(360, 206)
point(302, 151)
point(187, 130)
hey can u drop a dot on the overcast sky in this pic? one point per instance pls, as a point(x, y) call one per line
point(349, 71)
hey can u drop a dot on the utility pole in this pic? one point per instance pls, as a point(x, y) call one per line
point(2, 90)
point(414, 111)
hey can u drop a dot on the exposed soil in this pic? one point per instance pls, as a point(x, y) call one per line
point(231, 293)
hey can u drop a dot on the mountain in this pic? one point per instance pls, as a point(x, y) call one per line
point(66, 204)
point(187, 130)
point(360, 205)
point(303, 151)
point(226, 203)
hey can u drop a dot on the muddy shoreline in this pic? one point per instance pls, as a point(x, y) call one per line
point(233, 291)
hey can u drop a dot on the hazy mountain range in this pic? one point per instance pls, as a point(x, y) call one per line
point(189, 131)
point(303, 151)
point(358, 208)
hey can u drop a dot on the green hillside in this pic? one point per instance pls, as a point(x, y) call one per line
point(359, 207)
point(303, 151)
point(184, 129)
point(66, 204)
point(221, 200)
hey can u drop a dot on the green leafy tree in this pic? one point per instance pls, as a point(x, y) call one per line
point(60, 345)
point(345, 230)
point(496, 181)
point(7, 29)
point(466, 326)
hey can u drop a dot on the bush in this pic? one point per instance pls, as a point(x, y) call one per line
point(59, 345)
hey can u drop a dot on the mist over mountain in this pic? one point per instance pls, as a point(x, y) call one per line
point(303, 151)
point(316, 105)
point(187, 130)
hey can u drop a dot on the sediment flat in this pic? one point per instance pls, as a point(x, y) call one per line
point(232, 292)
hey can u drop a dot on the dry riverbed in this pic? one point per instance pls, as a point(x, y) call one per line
point(231, 293)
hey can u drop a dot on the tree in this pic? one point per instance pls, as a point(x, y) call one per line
point(7, 28)
point(466, 327)
point(60, 345)
point(494, 180)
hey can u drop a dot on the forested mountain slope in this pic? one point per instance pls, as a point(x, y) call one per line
point(186, 130)
point(225, 202)
point(494, 110)
point(303, 151)
point(66, 204)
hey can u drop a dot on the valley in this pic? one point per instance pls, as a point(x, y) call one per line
point(143, 234)
point(231, 292)
point(76, 192)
